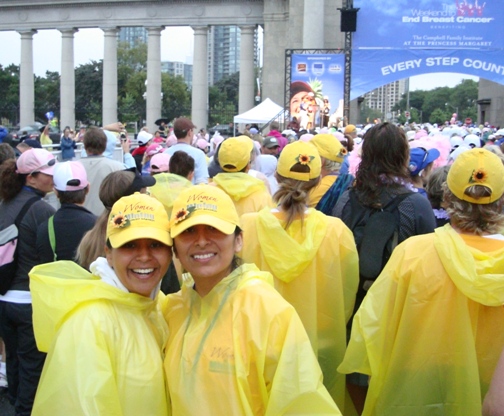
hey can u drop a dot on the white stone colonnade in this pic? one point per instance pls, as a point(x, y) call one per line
point(154, 98)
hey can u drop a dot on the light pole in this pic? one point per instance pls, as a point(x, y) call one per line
point(452, 106)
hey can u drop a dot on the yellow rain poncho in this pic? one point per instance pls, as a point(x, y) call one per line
point(240, 350)
point(429, 331)
point(167, 188)
point(315, 266)
point(249, 194)
point(103, 344)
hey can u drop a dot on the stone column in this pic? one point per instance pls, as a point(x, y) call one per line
point(109, 100)
point(67, 84)
point(246, 86)
point(199, 110)
point(313, 24)
point(26, 80)
point(274, 44)
point(153, 76)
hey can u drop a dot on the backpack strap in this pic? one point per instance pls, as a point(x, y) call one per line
point(52, 235)
point(359, 212)
point(329, 199)
point(24, 210)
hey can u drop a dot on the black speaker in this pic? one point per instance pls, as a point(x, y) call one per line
point(349, 20)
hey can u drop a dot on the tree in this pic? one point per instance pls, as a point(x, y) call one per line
point(369, 114)
point(47, 96)
point(437, 116)
point(89, 93)
point(9, 85)
point(176, 97)
point(223, 99)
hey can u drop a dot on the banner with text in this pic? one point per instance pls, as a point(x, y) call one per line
point(429, 24)
point(316, 91)
point(374, 68)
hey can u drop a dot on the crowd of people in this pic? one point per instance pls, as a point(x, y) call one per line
point(330, 271)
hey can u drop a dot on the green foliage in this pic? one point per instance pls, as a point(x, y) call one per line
point(176, 97)
point(437, 116)
point(447, 100)
point(367, 115)
point(9, 85)
point(223, 100)
point(47, 95)
point(89, 92)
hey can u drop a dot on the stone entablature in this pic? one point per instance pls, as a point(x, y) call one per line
point(42, 14)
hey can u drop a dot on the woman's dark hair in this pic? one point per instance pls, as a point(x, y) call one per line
point(6, 152)
point(385, 156)
point(72, 197)
point(181, 164)
point(11, 182)
point(434, 186)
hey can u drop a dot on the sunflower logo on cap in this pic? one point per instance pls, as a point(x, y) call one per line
point(478, 176)
point(304, 159)
point(182, 214)
point(120, 221)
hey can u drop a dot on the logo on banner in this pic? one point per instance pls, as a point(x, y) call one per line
point(463, 12)
point(335, 68)
point(301, 67)
point(318, 68)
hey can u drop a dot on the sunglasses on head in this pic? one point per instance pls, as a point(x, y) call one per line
point(52, 162)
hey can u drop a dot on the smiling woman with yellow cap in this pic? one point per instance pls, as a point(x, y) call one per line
point(236, 347)
point(102, 330)
point(312, 257)
point(429, 331)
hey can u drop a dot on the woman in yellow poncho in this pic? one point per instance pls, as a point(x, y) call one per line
point(235, 346)
point(429, 331)
point(248, 193)
point(103, 331)
point(312, 257)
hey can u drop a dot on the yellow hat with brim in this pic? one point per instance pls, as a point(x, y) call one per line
point(329, 147)
point(138, 216)
point(476, 167)
point(300, 161)
point(234, 153)
point(203, 204)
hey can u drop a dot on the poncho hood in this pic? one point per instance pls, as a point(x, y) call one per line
point(167, 188)
point(238, 185)
point(478, 275)
point(286, 257)
point(59, 288)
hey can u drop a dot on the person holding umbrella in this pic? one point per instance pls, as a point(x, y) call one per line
point(162, 124)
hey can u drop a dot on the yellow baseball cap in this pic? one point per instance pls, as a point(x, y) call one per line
point(329, 147)
point(476, 167)
point(350, 129)
point(203, 204)
point(138, 216)
point(234, 153)
point(302, 154)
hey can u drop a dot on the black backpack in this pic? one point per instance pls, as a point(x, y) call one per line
point(376, 234)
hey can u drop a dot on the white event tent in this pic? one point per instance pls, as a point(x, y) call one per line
point(261, 114)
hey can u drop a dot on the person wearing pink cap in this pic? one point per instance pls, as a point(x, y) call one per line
point(23, 184)
point(152, 149)
point(72, 220)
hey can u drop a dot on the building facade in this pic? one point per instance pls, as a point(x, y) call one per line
point(224, 51)
point(132, 35)
point(384, 98)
